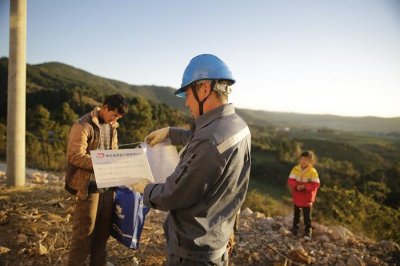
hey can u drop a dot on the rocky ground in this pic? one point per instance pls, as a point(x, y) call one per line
point(35, 229)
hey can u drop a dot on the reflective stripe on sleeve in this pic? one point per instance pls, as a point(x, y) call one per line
point(233, 140)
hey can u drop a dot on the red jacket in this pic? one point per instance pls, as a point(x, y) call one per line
point(307, 177)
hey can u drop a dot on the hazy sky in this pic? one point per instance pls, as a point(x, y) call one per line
point(316, 56)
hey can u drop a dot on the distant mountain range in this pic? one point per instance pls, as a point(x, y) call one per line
point(56, 76)
point(343, 123)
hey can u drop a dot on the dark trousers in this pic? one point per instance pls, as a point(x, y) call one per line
point(91, 225)
point(306, 217)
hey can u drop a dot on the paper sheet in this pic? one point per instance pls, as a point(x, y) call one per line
point(120, 167)
point(163, 159)
point(128, 166)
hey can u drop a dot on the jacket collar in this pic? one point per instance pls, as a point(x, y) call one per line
point(95, 118)
point(207, 118)
point(304, 170)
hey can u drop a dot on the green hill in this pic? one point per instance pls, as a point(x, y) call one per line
point(54, 76)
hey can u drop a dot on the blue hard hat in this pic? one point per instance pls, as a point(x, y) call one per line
point(204, 67)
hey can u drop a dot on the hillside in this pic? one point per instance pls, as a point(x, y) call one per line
point(359, 171)
point(35, 229)
point(54, 76)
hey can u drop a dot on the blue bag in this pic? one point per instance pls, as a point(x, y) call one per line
point(129, 213)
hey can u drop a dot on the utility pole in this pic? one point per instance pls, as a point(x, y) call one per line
point(16, 102)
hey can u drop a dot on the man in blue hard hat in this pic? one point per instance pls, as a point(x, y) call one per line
point(209, 185)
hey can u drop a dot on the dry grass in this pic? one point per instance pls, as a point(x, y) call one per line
point(35, 229)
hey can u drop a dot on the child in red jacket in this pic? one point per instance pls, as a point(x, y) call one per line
point(304, 183)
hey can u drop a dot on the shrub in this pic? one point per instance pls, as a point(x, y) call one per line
point(362, 214)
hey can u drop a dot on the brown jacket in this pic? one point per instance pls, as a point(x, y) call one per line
point(84, 137)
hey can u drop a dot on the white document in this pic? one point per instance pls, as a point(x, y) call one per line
point(129, 166)
point(120, 167)
point(163, 159)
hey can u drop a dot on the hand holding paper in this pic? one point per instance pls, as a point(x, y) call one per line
point(157, 136)
point(139, 186)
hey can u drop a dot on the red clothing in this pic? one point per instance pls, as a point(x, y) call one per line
point(307, 177)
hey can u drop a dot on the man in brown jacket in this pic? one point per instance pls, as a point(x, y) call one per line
point(93, 211)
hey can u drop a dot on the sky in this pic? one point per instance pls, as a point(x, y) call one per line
point(338, 57)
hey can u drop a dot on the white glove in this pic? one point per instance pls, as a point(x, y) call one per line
point(139, 186)
point(157, 136)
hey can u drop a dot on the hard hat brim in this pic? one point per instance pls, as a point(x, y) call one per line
point(181, 92)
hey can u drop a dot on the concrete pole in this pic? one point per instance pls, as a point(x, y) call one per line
point(16, 105)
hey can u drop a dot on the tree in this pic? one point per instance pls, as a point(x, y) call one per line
point(393, 182)
point(38, 121)
point(135, 125)
point(377, 191)
point(3, 140)
point(65, 115)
